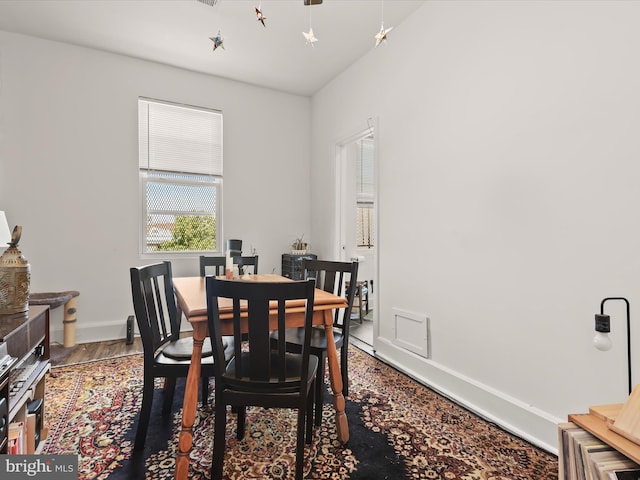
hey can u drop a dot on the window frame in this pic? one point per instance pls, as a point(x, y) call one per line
point(145, 169)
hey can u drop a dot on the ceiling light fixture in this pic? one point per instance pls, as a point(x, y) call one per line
point(211, 3)
point(312, 2)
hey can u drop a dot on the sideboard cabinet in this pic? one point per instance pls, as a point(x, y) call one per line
point(26, 339)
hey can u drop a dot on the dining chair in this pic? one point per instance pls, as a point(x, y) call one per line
point(165, 353)
point(361, 298)
point(331, 277)
point(245, 261)
point(234, 247)
point(259, 375)
point(218, 265)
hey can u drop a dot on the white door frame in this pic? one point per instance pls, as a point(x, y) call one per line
point(340, 240)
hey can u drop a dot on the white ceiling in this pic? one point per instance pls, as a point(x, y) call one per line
point(176, 32)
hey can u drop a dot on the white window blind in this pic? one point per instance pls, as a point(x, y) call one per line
point(364, 225)
point(364, 193)
point(364, 167)
point(180, 168)
point(174, 138)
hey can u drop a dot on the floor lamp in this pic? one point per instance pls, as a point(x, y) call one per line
point(603, 326)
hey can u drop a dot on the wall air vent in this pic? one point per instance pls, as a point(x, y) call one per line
point(412, 332)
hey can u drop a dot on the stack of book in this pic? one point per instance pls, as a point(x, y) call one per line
point(582, 456)
point(23, 436)
point(17, 442)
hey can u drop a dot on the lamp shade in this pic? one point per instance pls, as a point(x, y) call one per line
point(5, 233)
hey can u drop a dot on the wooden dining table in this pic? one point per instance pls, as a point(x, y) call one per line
point(192, 302)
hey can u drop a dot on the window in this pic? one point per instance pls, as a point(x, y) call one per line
point(364, 193)
point(180, 162)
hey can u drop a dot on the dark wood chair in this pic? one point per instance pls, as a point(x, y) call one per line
point(331, 277)
point(218, 265)
point(165, 353)
point(259, 375)
point(245, 261)
point(361, 299)
point(234, 247)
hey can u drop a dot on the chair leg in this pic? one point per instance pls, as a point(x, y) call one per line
point(242, 416)
point(145, 413)
point(319, 390)
point(309, 420)
point(300, 444)
point(365, 296)
point(169, 390)
point(219, 441)
point(344, 369)
point(360, 315)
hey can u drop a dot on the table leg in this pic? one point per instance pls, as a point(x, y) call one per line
point(342, 426)
point(185, 440)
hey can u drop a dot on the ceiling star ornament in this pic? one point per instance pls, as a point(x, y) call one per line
point(310, 37)
point(381, 37)
point(260, 15)
point(218, 41)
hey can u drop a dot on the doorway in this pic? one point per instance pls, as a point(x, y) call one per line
point(357, 214)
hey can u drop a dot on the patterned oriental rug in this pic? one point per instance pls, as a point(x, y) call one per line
point(399, 429)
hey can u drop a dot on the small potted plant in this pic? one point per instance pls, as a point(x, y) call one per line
point(299, 247)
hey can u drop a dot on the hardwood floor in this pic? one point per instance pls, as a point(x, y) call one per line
point(363, 331)
point(84, 352)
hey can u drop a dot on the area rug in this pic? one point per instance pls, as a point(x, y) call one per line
point(398, 430)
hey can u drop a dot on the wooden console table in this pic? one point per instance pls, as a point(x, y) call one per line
point(27, 338)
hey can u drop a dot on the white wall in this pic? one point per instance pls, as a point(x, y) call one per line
point(508, 155)
point(69, 176)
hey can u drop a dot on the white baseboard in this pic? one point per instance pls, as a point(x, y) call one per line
point(94, 333)
point(533, 425)
point(102, 332)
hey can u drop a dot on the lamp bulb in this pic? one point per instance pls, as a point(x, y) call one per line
point(602, 341)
